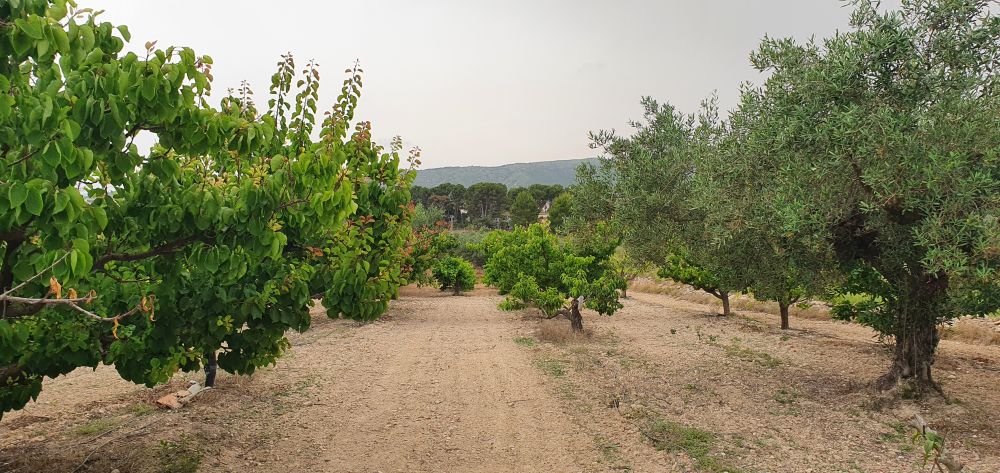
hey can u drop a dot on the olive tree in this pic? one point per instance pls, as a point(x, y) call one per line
point(880, 150)
point(646, 185)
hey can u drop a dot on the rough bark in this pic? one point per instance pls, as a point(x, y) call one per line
point(575, 318)
point(457, 289)
point(783, 306)
point(211, 367)
point(916, 334)
point(724, 295)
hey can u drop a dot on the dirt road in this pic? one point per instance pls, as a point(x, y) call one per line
point(441, 387)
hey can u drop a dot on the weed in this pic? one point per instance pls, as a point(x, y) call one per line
point(749, 354)
point(673, 331)
point(695, 442)
point(785, 338)
point(525, 341)
point(786, 397)
point(552, 367)
point(178, 457)
point(141, 409)
point(96, 426)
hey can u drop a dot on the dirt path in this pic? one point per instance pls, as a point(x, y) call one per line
point(441, 387)
point(437, 385)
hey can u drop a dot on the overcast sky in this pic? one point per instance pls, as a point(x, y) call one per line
point(487, 82)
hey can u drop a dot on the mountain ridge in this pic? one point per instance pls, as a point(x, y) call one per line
point(561, 171)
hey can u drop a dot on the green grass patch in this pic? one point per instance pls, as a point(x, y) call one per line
point(97, 426)
point(696, 443)
point(525, 341)
point(554, 368)
point(141, 409)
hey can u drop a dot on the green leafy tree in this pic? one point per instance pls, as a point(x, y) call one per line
point(560, 209)
point(455, 273)
point(532, 267)
point(524, 210)
point(486, 200)
point(424, 217)
point(879, 148)
point(426, 245)
point(153, 263)
point(627, 268)
point(646, 187)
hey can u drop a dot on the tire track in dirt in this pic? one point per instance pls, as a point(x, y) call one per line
point(439, 386)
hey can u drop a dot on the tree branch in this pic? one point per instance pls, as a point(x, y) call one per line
point(164, 249)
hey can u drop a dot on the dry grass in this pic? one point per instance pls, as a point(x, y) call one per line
point(971, 330)
point(815, 310)
point(559, 331)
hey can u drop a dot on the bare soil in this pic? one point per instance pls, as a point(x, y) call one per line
point(449, 383)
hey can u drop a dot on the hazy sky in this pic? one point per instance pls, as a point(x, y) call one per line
point(487, 82)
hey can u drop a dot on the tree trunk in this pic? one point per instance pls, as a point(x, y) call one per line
point(211, 366)
point(916, 334)
point(783, 306)
point(724, 295)
point(458, 288)
point(625, 291)
point(575, 319)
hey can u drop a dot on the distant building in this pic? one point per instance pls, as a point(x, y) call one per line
point(543, 215)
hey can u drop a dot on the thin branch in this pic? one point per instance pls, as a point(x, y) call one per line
point(26, 281)
point(105, 319)
point(44, 301)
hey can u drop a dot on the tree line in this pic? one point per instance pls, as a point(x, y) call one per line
point(491, 204)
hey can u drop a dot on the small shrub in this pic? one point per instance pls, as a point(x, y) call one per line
point(455, 273)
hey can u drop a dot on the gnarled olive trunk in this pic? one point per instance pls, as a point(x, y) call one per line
point(916, 315)
point(783, 307)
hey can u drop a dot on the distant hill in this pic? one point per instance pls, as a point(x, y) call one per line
point(512, 175)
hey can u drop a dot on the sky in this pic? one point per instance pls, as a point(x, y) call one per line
point(476, 82)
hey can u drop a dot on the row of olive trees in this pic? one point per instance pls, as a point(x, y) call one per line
point(216, 241)
point(870, 160)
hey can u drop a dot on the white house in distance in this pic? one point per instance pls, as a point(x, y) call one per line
point(543, 215)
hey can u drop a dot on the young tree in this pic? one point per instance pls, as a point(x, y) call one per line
point(532, 267)
point(455, 273)
point(560, 210)
point(524, 211)
point(880, 148)
point(648, 182)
